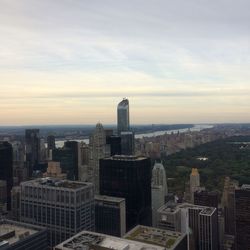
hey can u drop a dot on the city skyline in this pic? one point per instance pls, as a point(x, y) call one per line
point(65, 62)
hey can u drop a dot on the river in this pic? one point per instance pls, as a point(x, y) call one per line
point(196, 127)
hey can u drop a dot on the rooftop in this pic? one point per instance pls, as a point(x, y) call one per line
point(109, 198)
point(155, 236)
point(126, 158)
point(172, 207)
point(96, 241)
point(54, 182)
point(12, 231)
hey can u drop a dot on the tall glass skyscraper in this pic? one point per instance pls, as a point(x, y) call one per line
point(123, 116)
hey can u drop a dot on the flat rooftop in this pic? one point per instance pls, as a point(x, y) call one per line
point(163, 238)
point(109, 198)
point(172, 207)
point(54, 182)
point(97, 241)
point(12, 232)
point(126, 158)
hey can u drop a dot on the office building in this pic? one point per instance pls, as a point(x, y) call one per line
point(159, 237)
point(19, 236)
point(6, 168)
point(15, 203)
point(51, 142)
point(97, 241)
point(32, 143)
point(158, 189)
point(194, 182)
point(115, 144)
point(129, 177)
point(242, 217)
point(110, 215)
point(97, 146)
point(123, 116)
point(228, 205)
point(199, 222)
point(3, 196)
point(63, 207)
point(54, 170)
point(127, 143)
point(69, 159)
point(206, 198)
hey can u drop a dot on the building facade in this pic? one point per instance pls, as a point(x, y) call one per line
point(242, 217)
point(129, 177)
point(64, 207)
point(123, 116)
point(6, 169)
point(110, 215)
point(158, 189)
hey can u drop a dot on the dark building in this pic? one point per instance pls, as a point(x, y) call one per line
point(242, 217)
point(129, 177)
point(123, 116)
point(110, 215)
point(51, 142)
point(19, 236)
point(115, 144)
point(68, 156)
point(32, 143)
point(206, 198)
point(127, 143)
point(6, 168)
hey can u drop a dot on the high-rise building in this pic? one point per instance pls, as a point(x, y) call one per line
point(129, 177)
point(3, 196)
point(20, 171)
point(19, 236)
point(97, 148)
point(206, 198)
point(63, 207)
point(6, 168)
point(115, 144)
point(51, 142)
point(110, 215)
point(242, 217)
point(69, 159)
point(123, 116)
point(228, 205)
point(32, 143)
point(159, 189)
point(199, 222)
point(194, 182)
point(54, 170)
point(15, 203)
point(127, 143)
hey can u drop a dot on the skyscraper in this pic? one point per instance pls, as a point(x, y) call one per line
point(68, 156)
point(242, 217)
point(97, 146)
point(32, 143)
point(158, 189)
point(129, 177)
point(194, 182)
point(110, 215)
point(63, 207)
point(6, 168)
point(206, 198)
point(123, 116)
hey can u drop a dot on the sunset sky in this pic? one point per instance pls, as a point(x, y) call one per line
point(72, 61)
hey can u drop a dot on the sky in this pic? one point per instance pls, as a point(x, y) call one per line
point(72, 61)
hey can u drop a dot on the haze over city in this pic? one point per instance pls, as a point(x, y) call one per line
point(71, 62)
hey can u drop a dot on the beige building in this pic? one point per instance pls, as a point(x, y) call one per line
point(54, 170)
